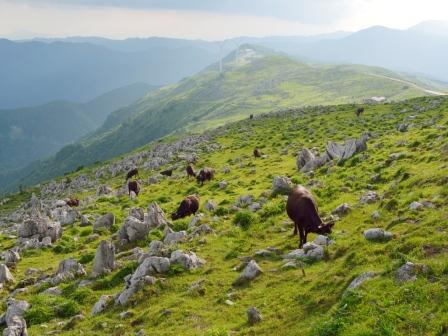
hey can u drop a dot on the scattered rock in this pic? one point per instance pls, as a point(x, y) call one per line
point(356, 282)
point(137, 213)
point(186, 260)
point(102, 304)
point(369, 197)
point(253, 316)
point(305, 156)
point(55, 291)
point(13, 318)
point(210, 205)
point(415, 205)
point(195, 220)
point(5, 275)
point(244, 201)
point(375, 215)
point(12, 257)
point(68, 269)
point(104, 261)
point(407, 272)
point(133, 229)
point(156, 216)
point(85, 220)
point(105, 221)
point(342, 209)
point(222, 185)
point(281, 185)
point(172, 237)
point(377, 234)
point(250, 272)
point(103, 190)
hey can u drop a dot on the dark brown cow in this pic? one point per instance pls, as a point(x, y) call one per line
point(359, 111)
point(251, 116)
point(167, 172)
point(190, 171)
point(257, 153)
point(206, 174)
point(131, 173)
point(133, 186)
point(187, 207)
point(72, 202)
point(302, 209)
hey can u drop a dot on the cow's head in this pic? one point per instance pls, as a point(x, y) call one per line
point(200, 177)
point(175, 215)
point(325, 228)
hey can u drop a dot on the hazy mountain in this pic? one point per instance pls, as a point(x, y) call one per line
point(31, 133)
point(255, 80)
point(432, 27)
point(34, 72)
point(413, 50)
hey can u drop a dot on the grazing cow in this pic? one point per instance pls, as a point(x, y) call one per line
point(73, 202)
point(167, 172)
point(187, 207)
point(190, 171)
point(131, 173)
point(206, 174)
point(133, 186)
point(359, 111)
point(302, 209)
point(251, 116)
point(257, 153)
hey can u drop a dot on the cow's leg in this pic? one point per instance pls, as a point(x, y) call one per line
point(295, 229)
point(302, 237)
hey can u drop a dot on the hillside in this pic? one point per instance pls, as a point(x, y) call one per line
point(399, 184)
point(257, 80)
point(34, 73)
point(32, 133)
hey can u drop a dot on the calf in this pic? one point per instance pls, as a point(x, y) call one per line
point(72, 202)
point(190, 171)
point(302, 209)
point(131, 173)
point(257, 153)
point(133, 186)
point(359, 111)
point(167, 172)
point(187, 207)
point(206, 174)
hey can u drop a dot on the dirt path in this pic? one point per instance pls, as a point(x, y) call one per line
point(437, 93)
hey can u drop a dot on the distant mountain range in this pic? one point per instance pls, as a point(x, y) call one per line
point(31, 133)
point(254, 80)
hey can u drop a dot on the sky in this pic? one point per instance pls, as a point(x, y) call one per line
point(208, 19)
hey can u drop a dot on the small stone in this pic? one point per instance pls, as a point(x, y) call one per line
point(407, 272)
point(229, 303)
point(253, 316)
point(415, 205)
point(377, 234)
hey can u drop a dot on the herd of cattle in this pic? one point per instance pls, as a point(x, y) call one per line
point(300, 207)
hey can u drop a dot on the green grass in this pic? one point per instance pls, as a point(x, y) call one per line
point(291, 304)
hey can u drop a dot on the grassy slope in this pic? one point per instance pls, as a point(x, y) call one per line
point(290, 303)
point(210, 99)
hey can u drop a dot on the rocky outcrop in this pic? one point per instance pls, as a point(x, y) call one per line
point(281, 185)
point(12, 257)
point(305, 156)
point(36, 229)
point(69, 269)
point(102, 304)
point(156, 217)
point(346, 150)
point(13, 318)
point(187, 260)
point(5, 275)
point(250, 272)
point(133, 229)
point(104, 261)
point(105, 221)
point(172, 237)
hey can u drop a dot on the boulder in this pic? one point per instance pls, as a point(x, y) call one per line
point(13, 318)
point(244, 201)
point(210, 205)
point(415, 205)
point(137, 213)
point(346, 150)
point(250, 272)
point(156, 248)
point(407, 272)
point(39, 227)
point(102, 304)
point(133, 229)
point(368, 197)
point(317, 162)
point(55, 291)
point(313, 251)
point(195, 220)
point(5, 275)
point(85, 220)
point(172, 237)
point(104, 261)
point(222, 184)
point(281, 185)
point(187, 260)
point(156, 216)
point(105, 221)
point(254, 207)
point(253, 316)
point(68, 269)
point(11, 257)
point(342, 209)
point(103, 190)
point(305, 156)
point(377, 234)
point(65, 215)
point(356, 282)
point(202, 229)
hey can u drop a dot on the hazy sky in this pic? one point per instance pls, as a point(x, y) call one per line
point(208, 19)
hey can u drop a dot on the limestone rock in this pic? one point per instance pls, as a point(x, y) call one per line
point(342, 209)
point(369, 197)
point(105, 221)
point(104, 261)
point(5, 275)
point(253, 316)
point(377, 234)
point(133, 229)
point(186, 260)
point(210, 205)
point(172, 237)
point(102, 304)
point(407, 272)
point(305, 156)
point(250, 272)
point(156, 216)
point(281, 185)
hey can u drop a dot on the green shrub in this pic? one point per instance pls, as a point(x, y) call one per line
point(244, 219)
point(221, 211)
point(86, 258)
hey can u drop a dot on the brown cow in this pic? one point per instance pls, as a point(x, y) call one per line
point(72, 202)
point(131, 173)
point(167, 172)
point(251, 116)
point(359, 111)
point(133, 186)
point(302, 209)
point(190, 171)
point(257, 153)
point(187, 207)
point(206, 174)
